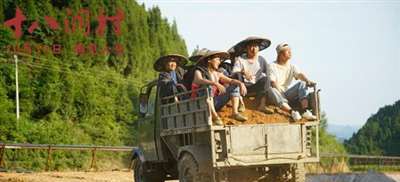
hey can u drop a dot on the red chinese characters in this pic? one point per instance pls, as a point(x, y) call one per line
point(79, 21)
point(73, 22)
point(16, 22)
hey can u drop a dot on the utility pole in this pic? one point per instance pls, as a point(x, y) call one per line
point(16, 85)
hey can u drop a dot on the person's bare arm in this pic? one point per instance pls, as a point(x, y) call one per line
point(303, 77)
point(198, 79)
point(247, 74)
point(225, 79)
point(271, 74)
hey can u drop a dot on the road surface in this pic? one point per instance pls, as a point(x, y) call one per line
point(126, 176)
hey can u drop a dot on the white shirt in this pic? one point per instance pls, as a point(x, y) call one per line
point(242, 64)
point(283, 75)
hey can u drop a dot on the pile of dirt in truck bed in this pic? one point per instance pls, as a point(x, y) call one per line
point(255, 116)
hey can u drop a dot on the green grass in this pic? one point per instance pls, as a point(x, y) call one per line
point(375, 167)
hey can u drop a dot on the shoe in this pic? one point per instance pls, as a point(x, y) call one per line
point(239, 117)
point(309, 116)
point(295, 115)
point(267, 110)
point(241, 108)
point(218, 121)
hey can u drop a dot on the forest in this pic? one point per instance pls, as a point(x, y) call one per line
point(72, 88)
point(380, 135)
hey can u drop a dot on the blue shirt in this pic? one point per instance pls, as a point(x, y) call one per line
point(173, 76)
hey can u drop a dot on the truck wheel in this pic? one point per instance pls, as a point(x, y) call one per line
point(140, 175)
point(189, 170)
point(299, 172)
point(281, 173)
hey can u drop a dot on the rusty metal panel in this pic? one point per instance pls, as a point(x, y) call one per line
point(192, 106)
point(284, 138)
point(265, 139)
point(147, 143)
point(247, 140)
point(170, 122)
point(202, 103)
point(189, 120)
point(200, 118)
point(180, 121)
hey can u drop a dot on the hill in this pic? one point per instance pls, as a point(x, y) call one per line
point(342, 132)
point(380, 135)
point(86, 91)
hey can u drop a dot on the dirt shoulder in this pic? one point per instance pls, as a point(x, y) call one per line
point(125, 176)
point(106, 176)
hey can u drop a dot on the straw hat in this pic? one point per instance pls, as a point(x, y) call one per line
point(240, 47)
point(197, 54)
point(159, 65)
point(221, 54)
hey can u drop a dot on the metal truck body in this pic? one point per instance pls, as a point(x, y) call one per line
point(178, 141)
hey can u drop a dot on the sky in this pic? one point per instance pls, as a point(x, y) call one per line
point(350, 48)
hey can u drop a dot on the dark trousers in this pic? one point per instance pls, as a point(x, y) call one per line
point(260, 88)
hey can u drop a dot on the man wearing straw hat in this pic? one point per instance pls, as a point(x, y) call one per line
point(282, 74)
point(213, 79)
point(253, 68)
point(188, 77)
point(171, 74)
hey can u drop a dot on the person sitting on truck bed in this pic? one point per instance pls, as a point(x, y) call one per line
point(207, 74)
point(252, 68)
point(226, 68)
point(282, 74)
point(196, 55)
point(188, 76)
point(171, 75)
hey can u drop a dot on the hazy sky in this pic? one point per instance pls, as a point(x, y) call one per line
point(350, 48)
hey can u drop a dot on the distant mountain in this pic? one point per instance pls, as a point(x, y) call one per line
point(380, 135)
point(342, 132)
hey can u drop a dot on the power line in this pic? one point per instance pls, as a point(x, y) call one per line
point(46, 59)
point(87, 74)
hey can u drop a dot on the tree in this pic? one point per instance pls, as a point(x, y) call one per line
point(380, 135)
point(69, 98)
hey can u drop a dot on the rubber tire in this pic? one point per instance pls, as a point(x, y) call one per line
point(140, 176)
point(280, 173)
point(189, 170)
point(299, 172)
